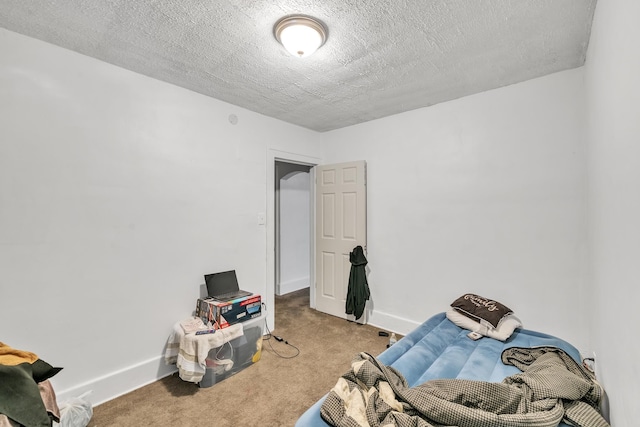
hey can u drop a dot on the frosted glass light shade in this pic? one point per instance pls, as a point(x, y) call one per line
point(300, 35)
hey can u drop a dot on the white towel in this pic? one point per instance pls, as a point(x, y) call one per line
point(189, 351)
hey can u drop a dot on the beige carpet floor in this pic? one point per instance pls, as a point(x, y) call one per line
point(275, 391)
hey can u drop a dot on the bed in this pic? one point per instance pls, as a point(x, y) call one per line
point(439, 348)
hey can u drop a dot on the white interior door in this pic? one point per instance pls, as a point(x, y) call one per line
point(341, 225)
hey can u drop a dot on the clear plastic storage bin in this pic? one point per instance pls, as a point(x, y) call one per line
point(235, 355)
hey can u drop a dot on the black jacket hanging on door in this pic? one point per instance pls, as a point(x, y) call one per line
point(358, 291)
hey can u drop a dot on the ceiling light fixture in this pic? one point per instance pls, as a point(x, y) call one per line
point(300, 35)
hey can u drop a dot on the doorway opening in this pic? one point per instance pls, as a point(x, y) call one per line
point(341, 208)
point(293, 220)
point(284, 158)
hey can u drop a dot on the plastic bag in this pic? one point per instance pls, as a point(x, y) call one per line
point(75, 412)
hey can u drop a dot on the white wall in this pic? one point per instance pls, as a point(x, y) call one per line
point(294, 232)
point(117, 193)
point(483, 194)
point(613, 95)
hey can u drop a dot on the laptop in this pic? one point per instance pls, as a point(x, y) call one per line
point(224, 286)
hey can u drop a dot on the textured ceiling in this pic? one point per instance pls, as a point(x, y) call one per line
point(381, 58)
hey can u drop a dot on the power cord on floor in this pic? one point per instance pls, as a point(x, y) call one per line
point(267, 337)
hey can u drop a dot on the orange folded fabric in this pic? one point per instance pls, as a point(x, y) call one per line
point(10, 356)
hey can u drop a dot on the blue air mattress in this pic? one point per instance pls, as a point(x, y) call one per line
point(440, 349)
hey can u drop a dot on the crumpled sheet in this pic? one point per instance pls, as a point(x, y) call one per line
point(548, 391)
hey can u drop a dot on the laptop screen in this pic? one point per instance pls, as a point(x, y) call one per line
point(221, 283)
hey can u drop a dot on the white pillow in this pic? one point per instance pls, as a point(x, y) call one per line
point(504, 330)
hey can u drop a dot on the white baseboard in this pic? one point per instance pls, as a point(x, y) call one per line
point(391, 322)
point(118, 383)
point(293, 285)
point(110, 386)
